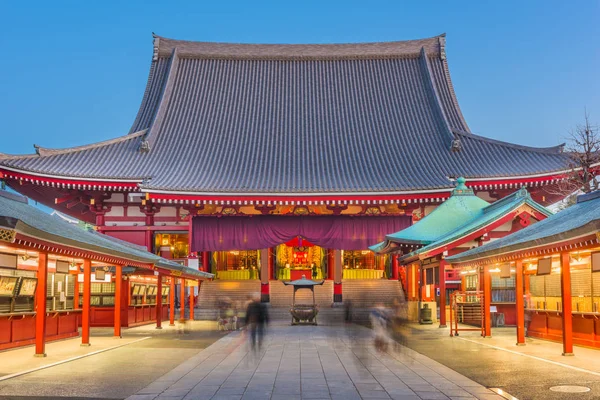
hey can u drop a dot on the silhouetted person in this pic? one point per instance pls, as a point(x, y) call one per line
point(257, 317)
point(348, 311)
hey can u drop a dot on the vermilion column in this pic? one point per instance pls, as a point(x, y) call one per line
point(519, 303)
point(76, 293)
point(330, 263)
point(85, 315)
point(337, 276)
point(172, 302)
point(40, 305)
point(182, 300)
point(394, 267)
point(567, 305)
point(118, 298)
point(487, 301)
point(159, 306)
point(270, 263)
point(206, 261)
point(192, 302)
point(442, 279)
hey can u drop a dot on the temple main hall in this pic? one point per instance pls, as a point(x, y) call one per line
point(268, 162)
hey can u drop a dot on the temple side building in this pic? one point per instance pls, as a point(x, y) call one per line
point(261, 160)
point(461, 223)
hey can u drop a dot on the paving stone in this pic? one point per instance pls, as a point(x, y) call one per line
point(310, 363)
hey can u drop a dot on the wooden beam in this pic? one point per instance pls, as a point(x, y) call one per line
point(85, 315)
point(182, 300)
point(520, 303)
point(442, 285)
point(118, 296)
point(40, 305)
point(567, 306)
point(172, 302)
point(487, 301)
point(159, 306)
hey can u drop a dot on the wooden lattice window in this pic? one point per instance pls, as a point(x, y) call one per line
point(7, 235)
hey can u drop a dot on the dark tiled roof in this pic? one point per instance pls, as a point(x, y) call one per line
point(357, 118)
point(580, 219)
point(16, 214)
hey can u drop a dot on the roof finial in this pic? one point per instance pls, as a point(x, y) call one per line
point(461, 188)
point(523, 192)
point(144, 146)
point(156, 45)
point(442, 41)
point(456, 145)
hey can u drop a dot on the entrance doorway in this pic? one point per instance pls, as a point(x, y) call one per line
point(236, 264)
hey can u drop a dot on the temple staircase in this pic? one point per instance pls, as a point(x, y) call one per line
point(369, 293)
point(212, 291)
point(364, 295)
point(281, 295)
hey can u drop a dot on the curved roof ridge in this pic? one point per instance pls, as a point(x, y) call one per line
point(451, 86)
point(548, 150)
point(43, 151)
point(163, 47)
point(163, 102)
point(426, 69)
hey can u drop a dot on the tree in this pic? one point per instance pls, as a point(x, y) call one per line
point(583, 150)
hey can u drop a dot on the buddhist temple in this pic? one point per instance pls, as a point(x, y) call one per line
point(556, 275)
point(56, 277)
point(462, 222)
point(255, 161)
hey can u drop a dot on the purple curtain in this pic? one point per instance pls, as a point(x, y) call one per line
point(263, 231)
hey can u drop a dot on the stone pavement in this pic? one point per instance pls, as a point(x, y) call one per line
point(305, 362)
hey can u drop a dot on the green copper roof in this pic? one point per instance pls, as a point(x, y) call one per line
point(576, 221)
point(462, 214)
point(462, 206)
point(484, 217)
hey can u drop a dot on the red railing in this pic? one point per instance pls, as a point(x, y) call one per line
point(468, 308)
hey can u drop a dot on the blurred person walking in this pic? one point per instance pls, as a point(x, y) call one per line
point(257, 317)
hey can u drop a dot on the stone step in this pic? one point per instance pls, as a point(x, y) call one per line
point(282, 295)
point(281, 315)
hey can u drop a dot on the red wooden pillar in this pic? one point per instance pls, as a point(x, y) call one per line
point(85, 315)
point(40, 305)
point(520, 303)
point(487, 301)
point(330, 263)
point(172, 302)
point(442, 280)
point(205, 261)
point(394, 275)
point(76, 294)
point(270, 262)
point(182, 300)
point(159, 306)
point(118, 299)
point(192, 303)
point(567, 305)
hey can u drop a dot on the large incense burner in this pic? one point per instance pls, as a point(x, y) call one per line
point(304, 313)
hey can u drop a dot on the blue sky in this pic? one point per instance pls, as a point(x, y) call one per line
point(75, 72)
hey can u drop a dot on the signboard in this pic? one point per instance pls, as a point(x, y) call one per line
point(505, 271)
point(8, 285)
point(100, 274)
point(595, 262)
point(8, 260)
point(62, 267)
point(544, 266)
point(28, 286)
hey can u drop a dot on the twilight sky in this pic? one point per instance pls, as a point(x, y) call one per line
point(74, 72)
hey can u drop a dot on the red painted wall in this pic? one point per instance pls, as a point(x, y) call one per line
point(135, 237)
